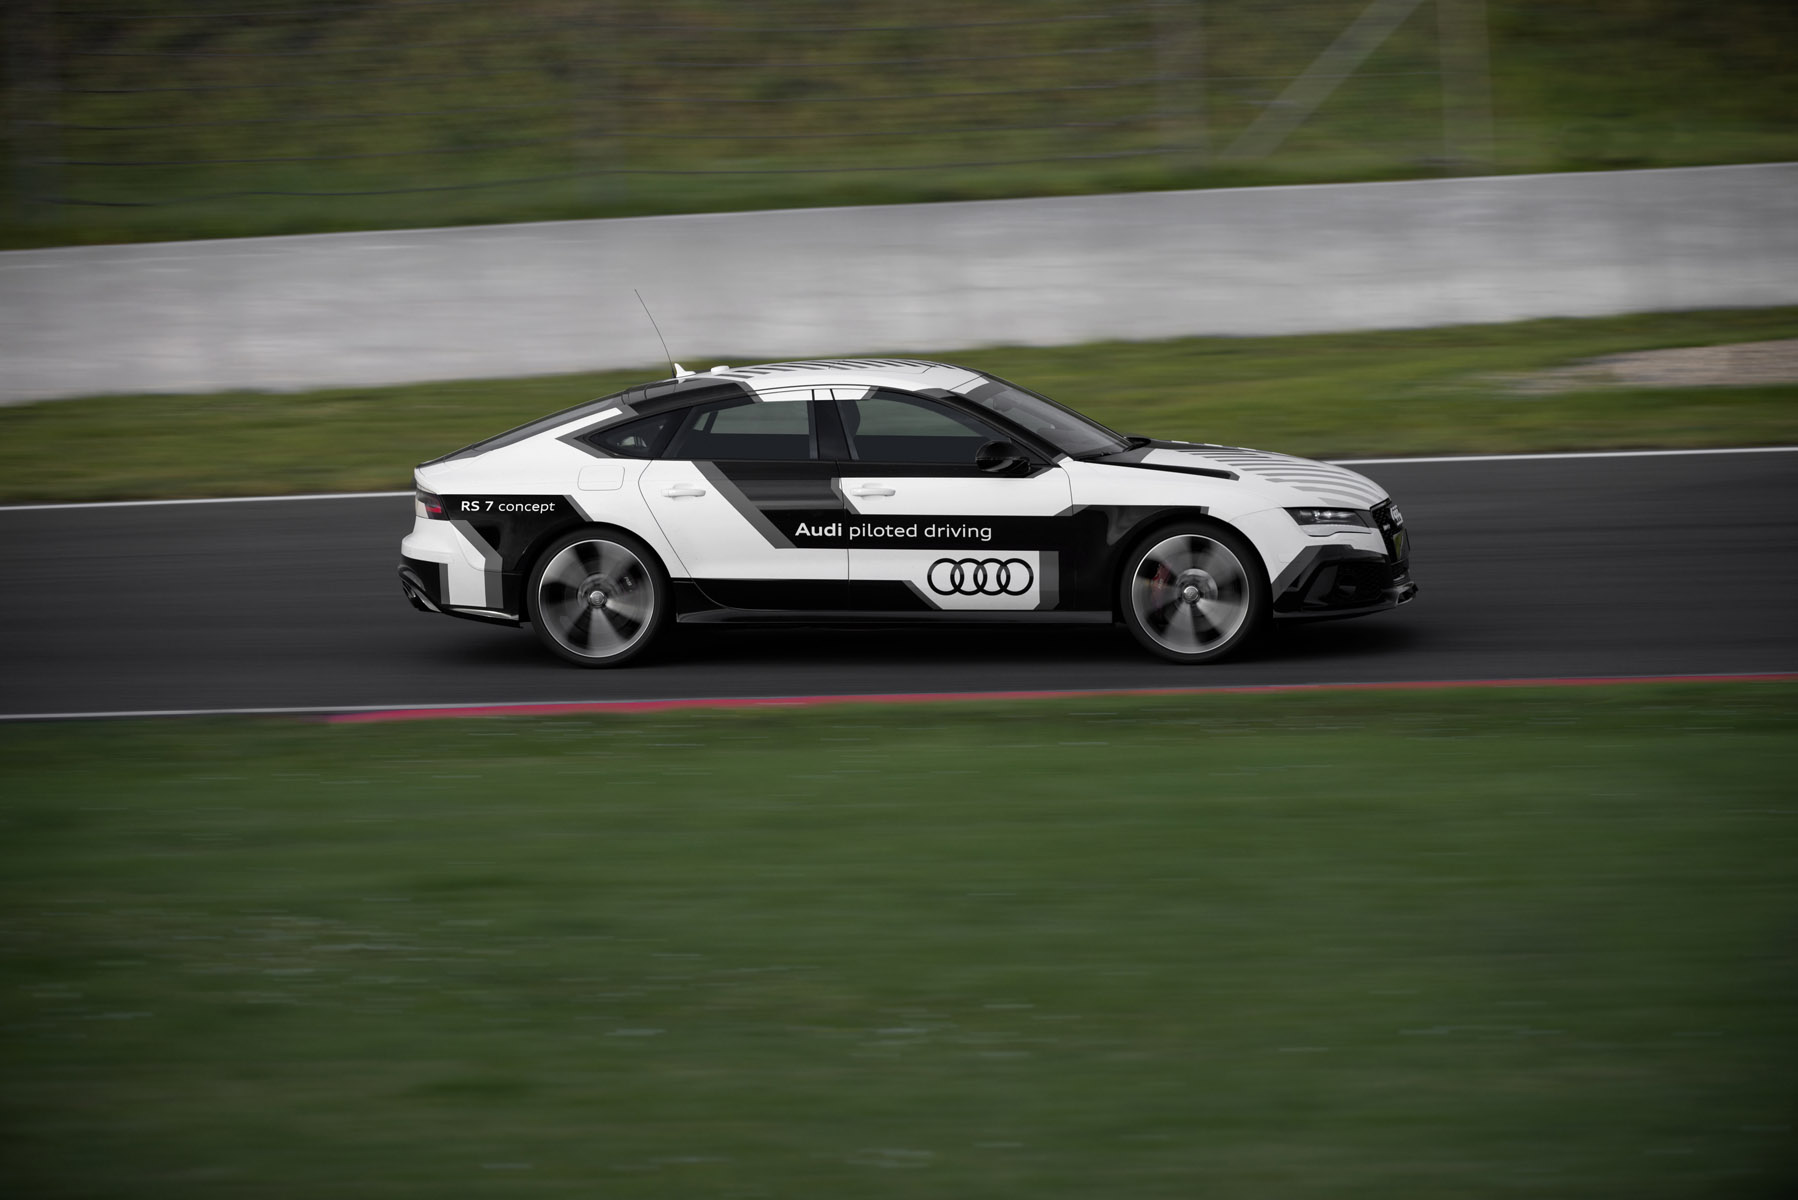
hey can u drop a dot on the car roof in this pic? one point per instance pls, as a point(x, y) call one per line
point(911, 374)
point(696, 387)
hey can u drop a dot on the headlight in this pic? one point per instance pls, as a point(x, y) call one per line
point(1331, 516)
point(426, 505)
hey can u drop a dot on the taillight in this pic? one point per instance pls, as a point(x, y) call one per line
point(427, 505)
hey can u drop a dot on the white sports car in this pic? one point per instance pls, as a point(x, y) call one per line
point(884, 489)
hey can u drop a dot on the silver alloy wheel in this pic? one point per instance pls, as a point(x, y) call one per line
point(596, 598)
point(1190, 593)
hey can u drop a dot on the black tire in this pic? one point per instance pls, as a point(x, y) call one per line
point(1193, 592)
point(598, 598)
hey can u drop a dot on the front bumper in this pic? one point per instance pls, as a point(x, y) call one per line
point(1340, 581)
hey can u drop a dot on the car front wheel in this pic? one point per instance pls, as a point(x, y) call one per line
point(598, 598)
point(1193, 593)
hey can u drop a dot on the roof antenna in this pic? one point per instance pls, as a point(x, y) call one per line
point(678, 370)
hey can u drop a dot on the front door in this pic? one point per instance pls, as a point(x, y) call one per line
point(926, 529)
point(738, 493)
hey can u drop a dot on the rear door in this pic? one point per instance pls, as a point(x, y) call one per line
point(926, 529)
point(739, 493)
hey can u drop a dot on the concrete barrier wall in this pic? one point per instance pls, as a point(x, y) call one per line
point(395, 306)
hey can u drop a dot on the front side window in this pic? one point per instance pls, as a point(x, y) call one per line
point(747, 429)
point(894, 427)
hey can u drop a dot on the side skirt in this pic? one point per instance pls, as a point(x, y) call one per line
point(491, 616)
point(765, 616)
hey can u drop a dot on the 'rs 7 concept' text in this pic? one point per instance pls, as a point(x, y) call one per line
point(884, 489)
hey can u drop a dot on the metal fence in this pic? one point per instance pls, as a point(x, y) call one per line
point(364, 112)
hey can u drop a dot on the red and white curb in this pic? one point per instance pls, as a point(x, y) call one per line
point(626, 707)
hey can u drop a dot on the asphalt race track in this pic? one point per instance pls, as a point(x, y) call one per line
point(1581, 566)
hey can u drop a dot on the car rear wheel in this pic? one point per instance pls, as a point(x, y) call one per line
point(1193, 593)
point(598, 598)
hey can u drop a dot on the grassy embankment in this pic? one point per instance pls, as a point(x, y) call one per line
point(1413, 392)
point(1467, 944)
point(173, 121)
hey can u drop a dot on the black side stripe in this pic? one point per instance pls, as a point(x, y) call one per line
point(754, 515)
point(490, 573)
point(929, 601)
point(1048, 580)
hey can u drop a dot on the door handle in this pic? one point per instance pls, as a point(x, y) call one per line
point(871, 489)
point(680, 490)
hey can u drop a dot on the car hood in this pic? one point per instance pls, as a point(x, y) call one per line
point(1325, 482)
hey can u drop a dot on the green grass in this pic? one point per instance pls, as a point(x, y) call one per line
point(1421, 391)
point(299, 118)
point(1469, 944)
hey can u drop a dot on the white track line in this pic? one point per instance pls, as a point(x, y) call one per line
point(295, 711)
point(6, 508)
point(1473, 458)
point(1346, 462)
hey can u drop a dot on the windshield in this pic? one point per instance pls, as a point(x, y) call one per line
point(1061, 427)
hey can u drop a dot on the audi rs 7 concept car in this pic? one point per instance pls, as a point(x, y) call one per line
point(884, 488)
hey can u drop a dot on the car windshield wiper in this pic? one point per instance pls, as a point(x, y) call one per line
point(1132, 441)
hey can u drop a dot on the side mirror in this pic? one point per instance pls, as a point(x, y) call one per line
point(1001, 458)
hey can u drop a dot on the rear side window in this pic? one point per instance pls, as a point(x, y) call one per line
point(635, 439)
point(744, 429)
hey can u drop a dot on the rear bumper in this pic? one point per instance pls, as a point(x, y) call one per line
point(422, 583)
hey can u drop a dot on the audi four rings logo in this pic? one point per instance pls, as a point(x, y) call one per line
point(980, 577)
